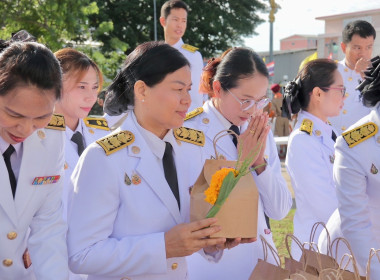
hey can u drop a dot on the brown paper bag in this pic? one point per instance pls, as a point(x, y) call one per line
point(294, 266)
point(342, 272)
point(238, 215)
point(303, 275)
point(312, 254)
point(267, 271)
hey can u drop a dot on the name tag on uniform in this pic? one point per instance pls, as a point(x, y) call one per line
point(46, 180)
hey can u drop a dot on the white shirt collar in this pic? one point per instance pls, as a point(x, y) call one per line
point(226, 123)
point(156, 144)
point(4, 146)
point(179, 44)
point(318, 123)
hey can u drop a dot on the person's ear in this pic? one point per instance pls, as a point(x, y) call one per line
point(316, 93)
point(140, 89)
point(217, 88)
point(162, 21)
point(343, 46)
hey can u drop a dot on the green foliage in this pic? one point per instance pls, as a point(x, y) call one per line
point(213, 25)
point(53, 22)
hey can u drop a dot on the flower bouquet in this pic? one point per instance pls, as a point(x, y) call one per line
point(226, 190)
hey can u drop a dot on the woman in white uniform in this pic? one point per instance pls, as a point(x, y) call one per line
point(237, 84)
point(317, 93)
point(31, 165)
point(357, 179)
point(82, 80)
point(131, 209)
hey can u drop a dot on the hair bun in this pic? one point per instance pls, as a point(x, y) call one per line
point(208, 75)
point(372, 78)
point(20, 36)
point(290, 104)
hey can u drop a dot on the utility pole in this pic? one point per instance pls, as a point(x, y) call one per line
point(273, 10)
point(155, 20)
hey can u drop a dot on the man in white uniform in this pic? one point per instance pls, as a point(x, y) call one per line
point(358, 39)
point(174, 21)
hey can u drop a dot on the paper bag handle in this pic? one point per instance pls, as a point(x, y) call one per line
point(266, 245)
point(296, 240)
point(221, 134)
point(350, 256)
point(312, 235)
point(372, 253)
point(312, 246)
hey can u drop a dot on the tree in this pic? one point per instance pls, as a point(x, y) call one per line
point(55, 23)
point(213, 25)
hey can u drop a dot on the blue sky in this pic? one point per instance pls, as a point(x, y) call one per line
point(298, 17)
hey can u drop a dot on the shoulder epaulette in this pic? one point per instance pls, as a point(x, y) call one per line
point(116, 141)
point(307, 126)
point(189, 48)
point(359, 134)
point(99, 123)
point(194, 113)
point(190, 135)
point(57, 122)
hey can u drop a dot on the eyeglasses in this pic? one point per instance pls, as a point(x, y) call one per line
point(248, 104)
point(342, 89)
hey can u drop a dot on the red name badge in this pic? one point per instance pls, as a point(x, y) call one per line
point(46, 180)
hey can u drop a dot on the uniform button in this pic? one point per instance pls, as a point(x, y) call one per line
point(41, 134)
point(318, 132)
point(378, 139)
point(344, 111)
point(347, 94)
point(350, 79)
point(343, 128)
point(135, 150)
point(7, 262)
point(174, 266)
point(12, 235)
point(205, 120)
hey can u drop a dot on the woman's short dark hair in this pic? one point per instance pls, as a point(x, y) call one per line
point(370, 87)
point(316, 73)
point(233, 65)
point(150, 62)
point(358, 27)
point(29, 64)
point(172, 4)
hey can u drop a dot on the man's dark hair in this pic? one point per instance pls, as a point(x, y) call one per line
point(359, 27)
point(173, 4)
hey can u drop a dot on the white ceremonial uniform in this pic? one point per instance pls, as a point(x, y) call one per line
point(91, 129)
point(309, 161)
point(196, 66)
point(274, 198)
point(90, 133)
point(357, 178)
point(115, 121)
point(128, 208)
point(353, 109)
point(33, 219)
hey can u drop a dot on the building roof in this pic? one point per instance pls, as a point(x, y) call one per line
point(299, 35)
point(353, 14)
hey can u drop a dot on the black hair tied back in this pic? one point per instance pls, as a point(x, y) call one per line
point(20, 36)
point(291, 104)
point(370, 87)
